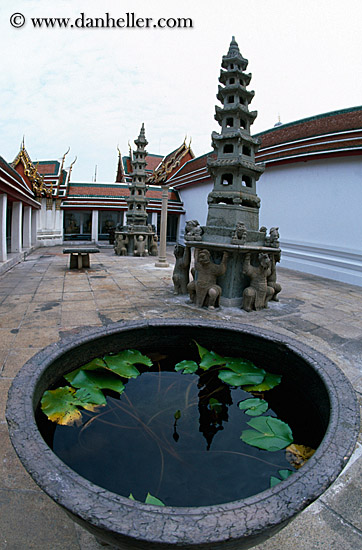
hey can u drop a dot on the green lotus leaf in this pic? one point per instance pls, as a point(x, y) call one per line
point(202, 351)
point(269, 382)
point(92, 382)
point(61, 406)
point(269, 434)
point(241, 372)
point(131, 497)
point(96, 364)
point(254, 407)
point(211, 359)
point(284, 474)
point(153, 500)
point(188, 367)
point(123, 363)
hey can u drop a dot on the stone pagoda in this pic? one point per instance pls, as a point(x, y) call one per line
point(234, 258)
point(136, 237)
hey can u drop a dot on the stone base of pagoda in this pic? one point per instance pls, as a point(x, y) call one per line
point(136, 242)
point(234, 282)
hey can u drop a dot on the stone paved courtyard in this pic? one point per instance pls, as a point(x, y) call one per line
point(41, 300)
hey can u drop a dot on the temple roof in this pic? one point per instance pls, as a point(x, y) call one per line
point(170, 163)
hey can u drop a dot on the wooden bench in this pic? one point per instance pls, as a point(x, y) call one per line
point(79, 257)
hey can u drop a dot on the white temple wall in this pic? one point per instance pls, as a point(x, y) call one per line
point(50, 225)
point(194, 199)
point(317, 207)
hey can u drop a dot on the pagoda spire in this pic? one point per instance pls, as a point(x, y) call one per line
point(137, 201)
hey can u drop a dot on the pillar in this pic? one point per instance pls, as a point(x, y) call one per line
point(95, 226)
point(3, 207)
point(34, 226)
point(16, 226)
point(161, 262)
point(27, 226)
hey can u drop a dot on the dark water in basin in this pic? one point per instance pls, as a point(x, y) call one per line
point(133, 445)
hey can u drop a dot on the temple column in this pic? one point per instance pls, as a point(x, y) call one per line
point(34, 227)
point(3, 208)
point(27, 226)
point(95, 226)
point(161, 262)
point(16, 225)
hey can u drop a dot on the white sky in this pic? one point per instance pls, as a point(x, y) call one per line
point(91, 89)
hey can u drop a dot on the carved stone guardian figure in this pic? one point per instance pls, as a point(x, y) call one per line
point(193, 231)
point(204, 291)
point(258, 293)
point(153, 247)
point(140, 246)
point(272, 279)
point(180, 276)
point(239, 235)
point(120, 247)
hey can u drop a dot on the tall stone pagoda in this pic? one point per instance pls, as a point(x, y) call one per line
point(241, 256)
point(136, 237)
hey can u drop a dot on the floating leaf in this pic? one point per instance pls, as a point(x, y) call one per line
point(96, 364)
point(61, 406)
point(202, 351)
point(92, 382)
point(284, 474)
point(123, 363)
point(177, 415)
point(269, 434)
point(241, 373)
point(298, 455)
point(269, 382)
point(153, 500)
point(254, 407)
point(211, 359)
point(188, 367)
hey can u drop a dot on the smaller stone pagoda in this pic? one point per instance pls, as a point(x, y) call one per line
point(136, 238)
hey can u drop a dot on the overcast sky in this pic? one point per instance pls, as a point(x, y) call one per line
point(91, 89)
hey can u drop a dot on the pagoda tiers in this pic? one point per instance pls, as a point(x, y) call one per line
point(137, 238)
point(233, 206)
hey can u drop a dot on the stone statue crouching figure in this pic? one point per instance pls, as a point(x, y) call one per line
point(272, 279)
point(180, 276)
point(204, 291)
point(258, 293)
point(140, 246)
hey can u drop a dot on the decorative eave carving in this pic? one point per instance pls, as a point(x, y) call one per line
point(30, 170)
point(171, 162)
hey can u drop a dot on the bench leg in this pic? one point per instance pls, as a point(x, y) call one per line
point(85, 260)
point(73, 261)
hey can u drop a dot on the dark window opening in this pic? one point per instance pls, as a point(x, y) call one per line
point(228, 148)
point(243, 123)
point(247, 181)
point(227, 179)
point(229, 122)
point(224, 200)
point(246, 151)
point(232, 81)
point(231, 66)
point(231, 99)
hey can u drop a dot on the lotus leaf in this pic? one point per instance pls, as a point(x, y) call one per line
point(210, 359)
point(153, 500)
point(241, 373)
point(61, 406)
point(269, 382)
point(254, 407)
point(202, 351)
point(92, 383)
point(284, 474)
point(188, 367)
point(269, 434)
point(123, 363)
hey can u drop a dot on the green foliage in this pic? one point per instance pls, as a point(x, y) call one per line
point(149, 500)
point(269, 382)
point(188, 367)
point(269, 434)
point(202, 351)
point(92, 383)
point(177, 415)
point(241, 372)
point(211, 359)
point(61, 405)
point(123, 363)
point(254, 406)
point(284, 474)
